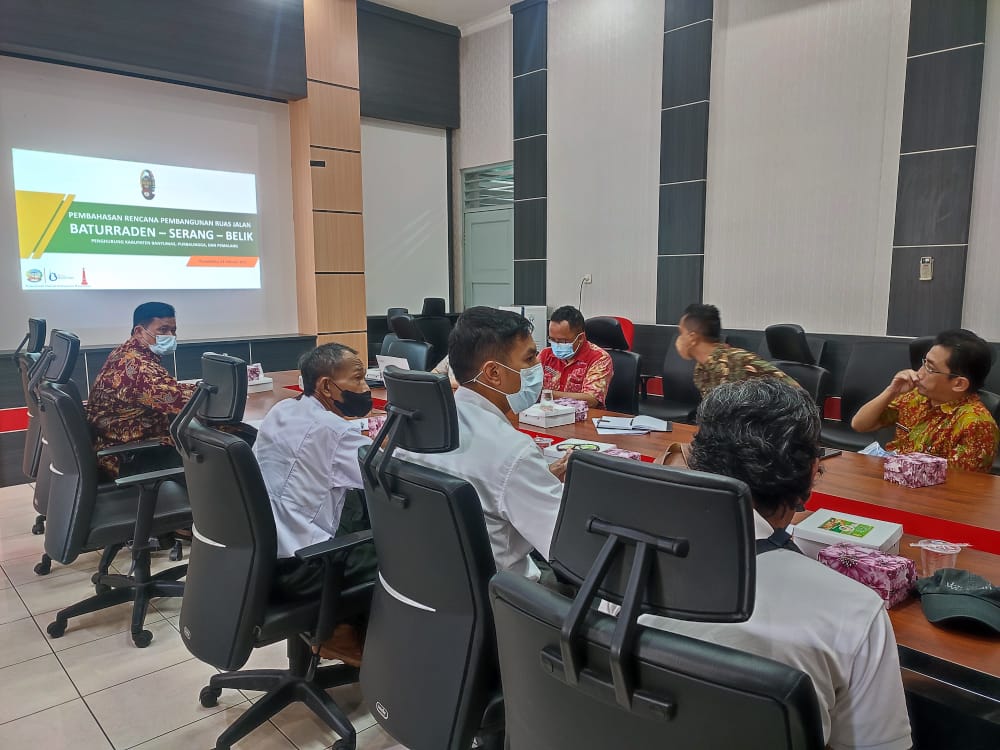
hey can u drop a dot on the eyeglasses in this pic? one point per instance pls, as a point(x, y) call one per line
point(931, 371)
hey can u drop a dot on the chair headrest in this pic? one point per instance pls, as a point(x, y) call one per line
point(405, 327)
point(433, 306)
point(36, 334)
point(226, 380)
point(392, 312)
point(787, 341)
point(65, 349)
point(605, 332)
point(708, 577)
point(426, 405)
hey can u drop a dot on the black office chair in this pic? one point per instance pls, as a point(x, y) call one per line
point(435, 330)
point(870, 368)
point(390, 337)
point(27, 358)
point(680, 397)
point(788, 342)
point(418, 354)
point(430, 668)
point(230, 606)
point(623, 391)
point(405, 326)
point(813, 378)
point(675, 543)
point(84, 516)
point(434, 307)
point(918, 350)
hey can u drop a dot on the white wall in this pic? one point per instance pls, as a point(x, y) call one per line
point(604, 79)
point(982, 309)
point(804, 133)
point(56, 108)
point(405, 193)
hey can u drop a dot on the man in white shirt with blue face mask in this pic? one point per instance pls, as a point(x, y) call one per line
point(495, 361)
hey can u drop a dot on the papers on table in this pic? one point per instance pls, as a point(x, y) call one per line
point(640, 425)
point(375, 373)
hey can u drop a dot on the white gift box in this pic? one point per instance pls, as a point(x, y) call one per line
point(556, 415)
point(827, 527)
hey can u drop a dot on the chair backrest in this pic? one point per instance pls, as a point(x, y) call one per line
point(68, 451)
point(678, 377)
point(606, 332)
point(918, 350)
point(655, 540)
point(869, 370)
point(234, 544)
point(417, 353)
point(623, 390)
point(387, 342)
point(434, 306)
point(392, 312)
point(787, 342)
point(430, 663)
point(405, 326)
point(813, 378)
point(435, 331)
point(628, 328)
point(992, 402)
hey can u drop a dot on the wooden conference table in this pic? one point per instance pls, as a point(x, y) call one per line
point(966, 508)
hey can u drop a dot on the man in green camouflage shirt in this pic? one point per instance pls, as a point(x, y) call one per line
point(698, 339)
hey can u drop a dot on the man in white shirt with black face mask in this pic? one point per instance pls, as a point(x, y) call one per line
point(307, 449)
point(495, 361)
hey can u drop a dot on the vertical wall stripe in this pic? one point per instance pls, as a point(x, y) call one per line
point(687, 65)
point(530, 112)
point(944, 76)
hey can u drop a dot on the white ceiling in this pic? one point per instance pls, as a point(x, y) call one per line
point(455, 12)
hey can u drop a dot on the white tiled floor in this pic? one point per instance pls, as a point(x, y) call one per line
point(93, 690)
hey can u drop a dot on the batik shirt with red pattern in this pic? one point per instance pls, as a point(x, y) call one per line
point(589, 371)
point(133, 398)
point(961, 431)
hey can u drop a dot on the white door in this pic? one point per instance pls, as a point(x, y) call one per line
point(488, 265)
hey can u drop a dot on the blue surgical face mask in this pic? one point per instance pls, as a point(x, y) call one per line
point(564, 351)
point(531, 387)
point(164, 344)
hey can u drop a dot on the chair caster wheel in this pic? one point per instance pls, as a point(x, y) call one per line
point(142, 639)
point(38, 528)
point(209, 696)
point(176, 552)
point(56, 629)
point(95, 579)
point(101, 588)
point(44, 567)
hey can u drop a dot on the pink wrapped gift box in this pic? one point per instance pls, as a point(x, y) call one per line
point(890, 576)
point(622, 453)
point(375, 424)
point(915, 469)
point(580, 406)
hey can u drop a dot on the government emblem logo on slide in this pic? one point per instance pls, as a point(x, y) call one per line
point(34, 275)
point(148, 184)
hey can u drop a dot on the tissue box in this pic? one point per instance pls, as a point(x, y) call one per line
point(580, 406)
point(825, 528)
point(254, 372)
point(890, 576)
point(556, 416)
point(915, 470)
point(622, 453)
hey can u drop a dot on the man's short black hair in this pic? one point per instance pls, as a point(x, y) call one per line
point(482, 334)
point(704, 320)
point(969, 356)
point(322, 361)
point(763, 432)
point(570, 315)
point(144, 314)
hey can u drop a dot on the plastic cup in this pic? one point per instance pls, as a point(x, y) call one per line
point(936, 555)
point(547, 402)
point(543, 443)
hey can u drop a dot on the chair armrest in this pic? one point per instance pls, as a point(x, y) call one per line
point(149, 477)
point(644, 385)
point(139, 445)
point(337, 544)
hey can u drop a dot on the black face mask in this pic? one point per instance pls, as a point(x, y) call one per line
point(354, 404)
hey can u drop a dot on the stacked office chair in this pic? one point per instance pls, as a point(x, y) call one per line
point(813, 378)
point(28, 357)
point(231, 606)
point(788, 342)
point(85, 516)
point(680, 397)
point(654, 540)
point(434, 307)
point(410, 343)
point(870, 368)
point(430, 669)
point(623, 391)
point(435, 327)
point(390, 337)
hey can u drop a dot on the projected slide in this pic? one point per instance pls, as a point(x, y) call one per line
point(91, 223)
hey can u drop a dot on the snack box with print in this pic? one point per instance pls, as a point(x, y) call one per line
point(827, 527)
point(556, 415)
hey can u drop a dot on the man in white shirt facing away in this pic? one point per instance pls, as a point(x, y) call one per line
point(307, 449)
point(766, 433)
point(495, 361)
